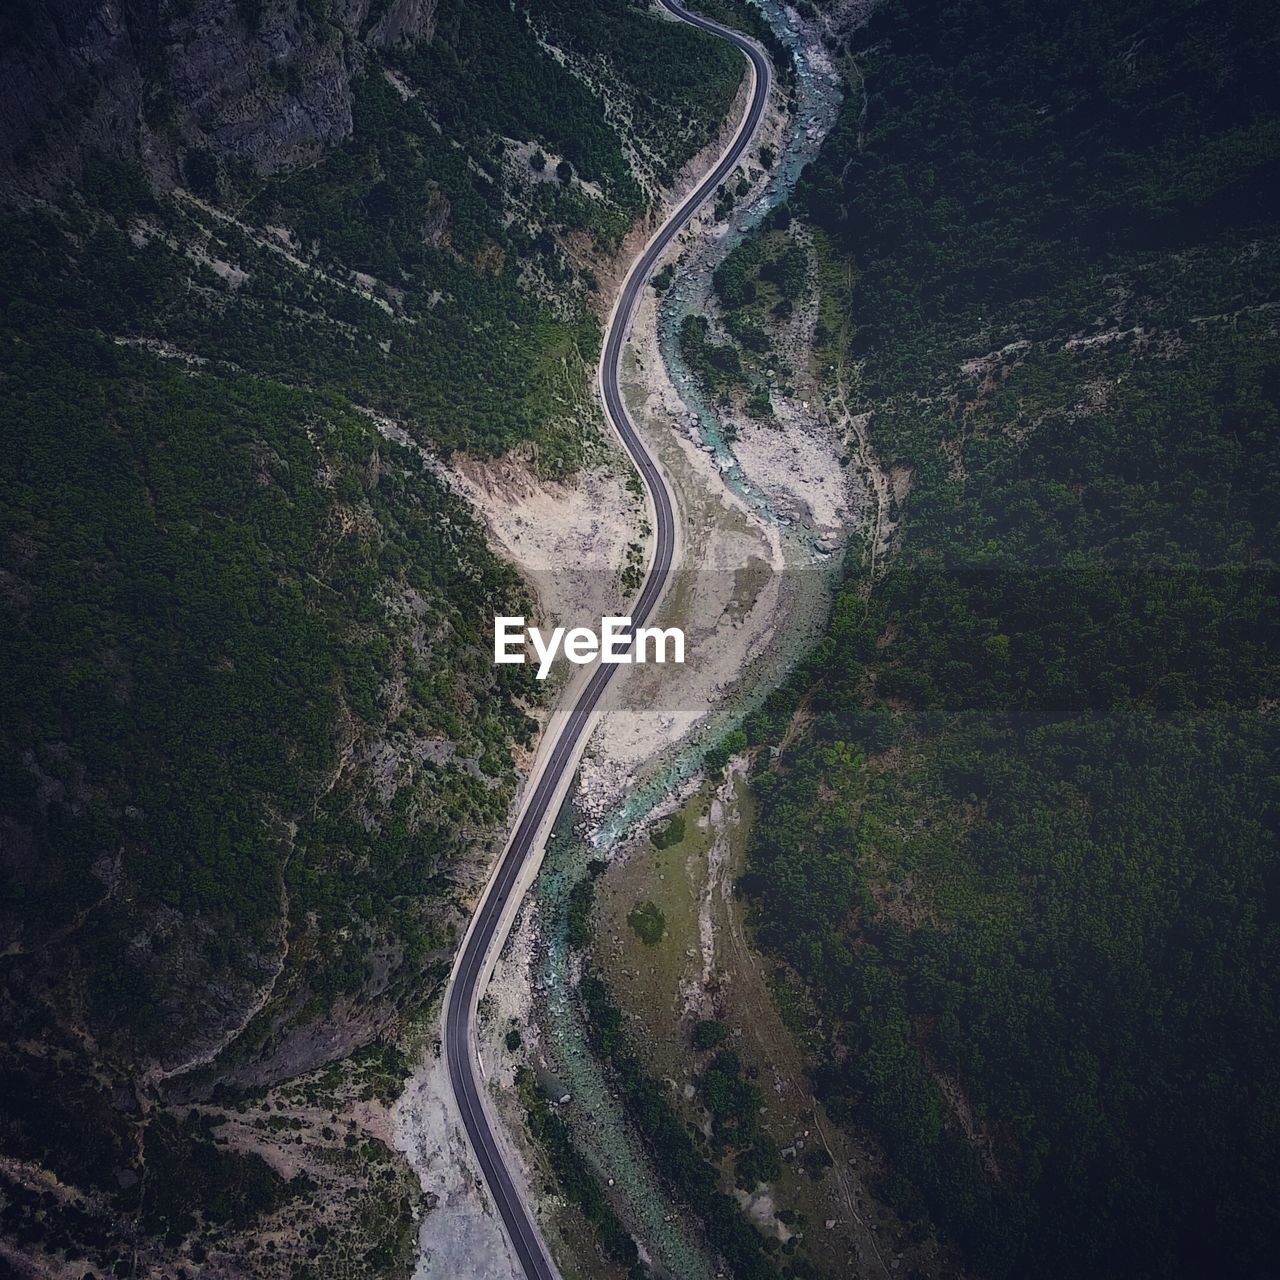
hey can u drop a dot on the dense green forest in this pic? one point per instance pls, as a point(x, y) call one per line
point(196, 629)
point(1024, 857)
point(252, 747)
point(213, 587)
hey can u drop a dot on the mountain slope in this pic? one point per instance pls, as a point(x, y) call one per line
point(255, 753)
point(1024, 856)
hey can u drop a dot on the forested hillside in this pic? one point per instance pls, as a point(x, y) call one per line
point(254, 750)
point(1023, 857)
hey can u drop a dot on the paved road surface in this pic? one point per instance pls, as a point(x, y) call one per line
point(473, 963)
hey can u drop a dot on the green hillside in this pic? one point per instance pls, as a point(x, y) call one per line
point(1025, 857)
point(254, 752)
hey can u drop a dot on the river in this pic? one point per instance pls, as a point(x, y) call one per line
point(669, 1241)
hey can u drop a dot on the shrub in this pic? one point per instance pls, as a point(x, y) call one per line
point(647, 920)
point(709, 1034)
point(673, 833)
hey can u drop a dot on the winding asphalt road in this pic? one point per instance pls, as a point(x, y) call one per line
point(492, 917)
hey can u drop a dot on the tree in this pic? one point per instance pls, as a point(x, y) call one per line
point(708, 1034)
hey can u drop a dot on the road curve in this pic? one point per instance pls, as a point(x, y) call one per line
point(496, 905)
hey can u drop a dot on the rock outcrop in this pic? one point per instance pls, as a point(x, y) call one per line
point(263, 83)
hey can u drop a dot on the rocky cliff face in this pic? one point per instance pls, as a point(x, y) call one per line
point(265, 83)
